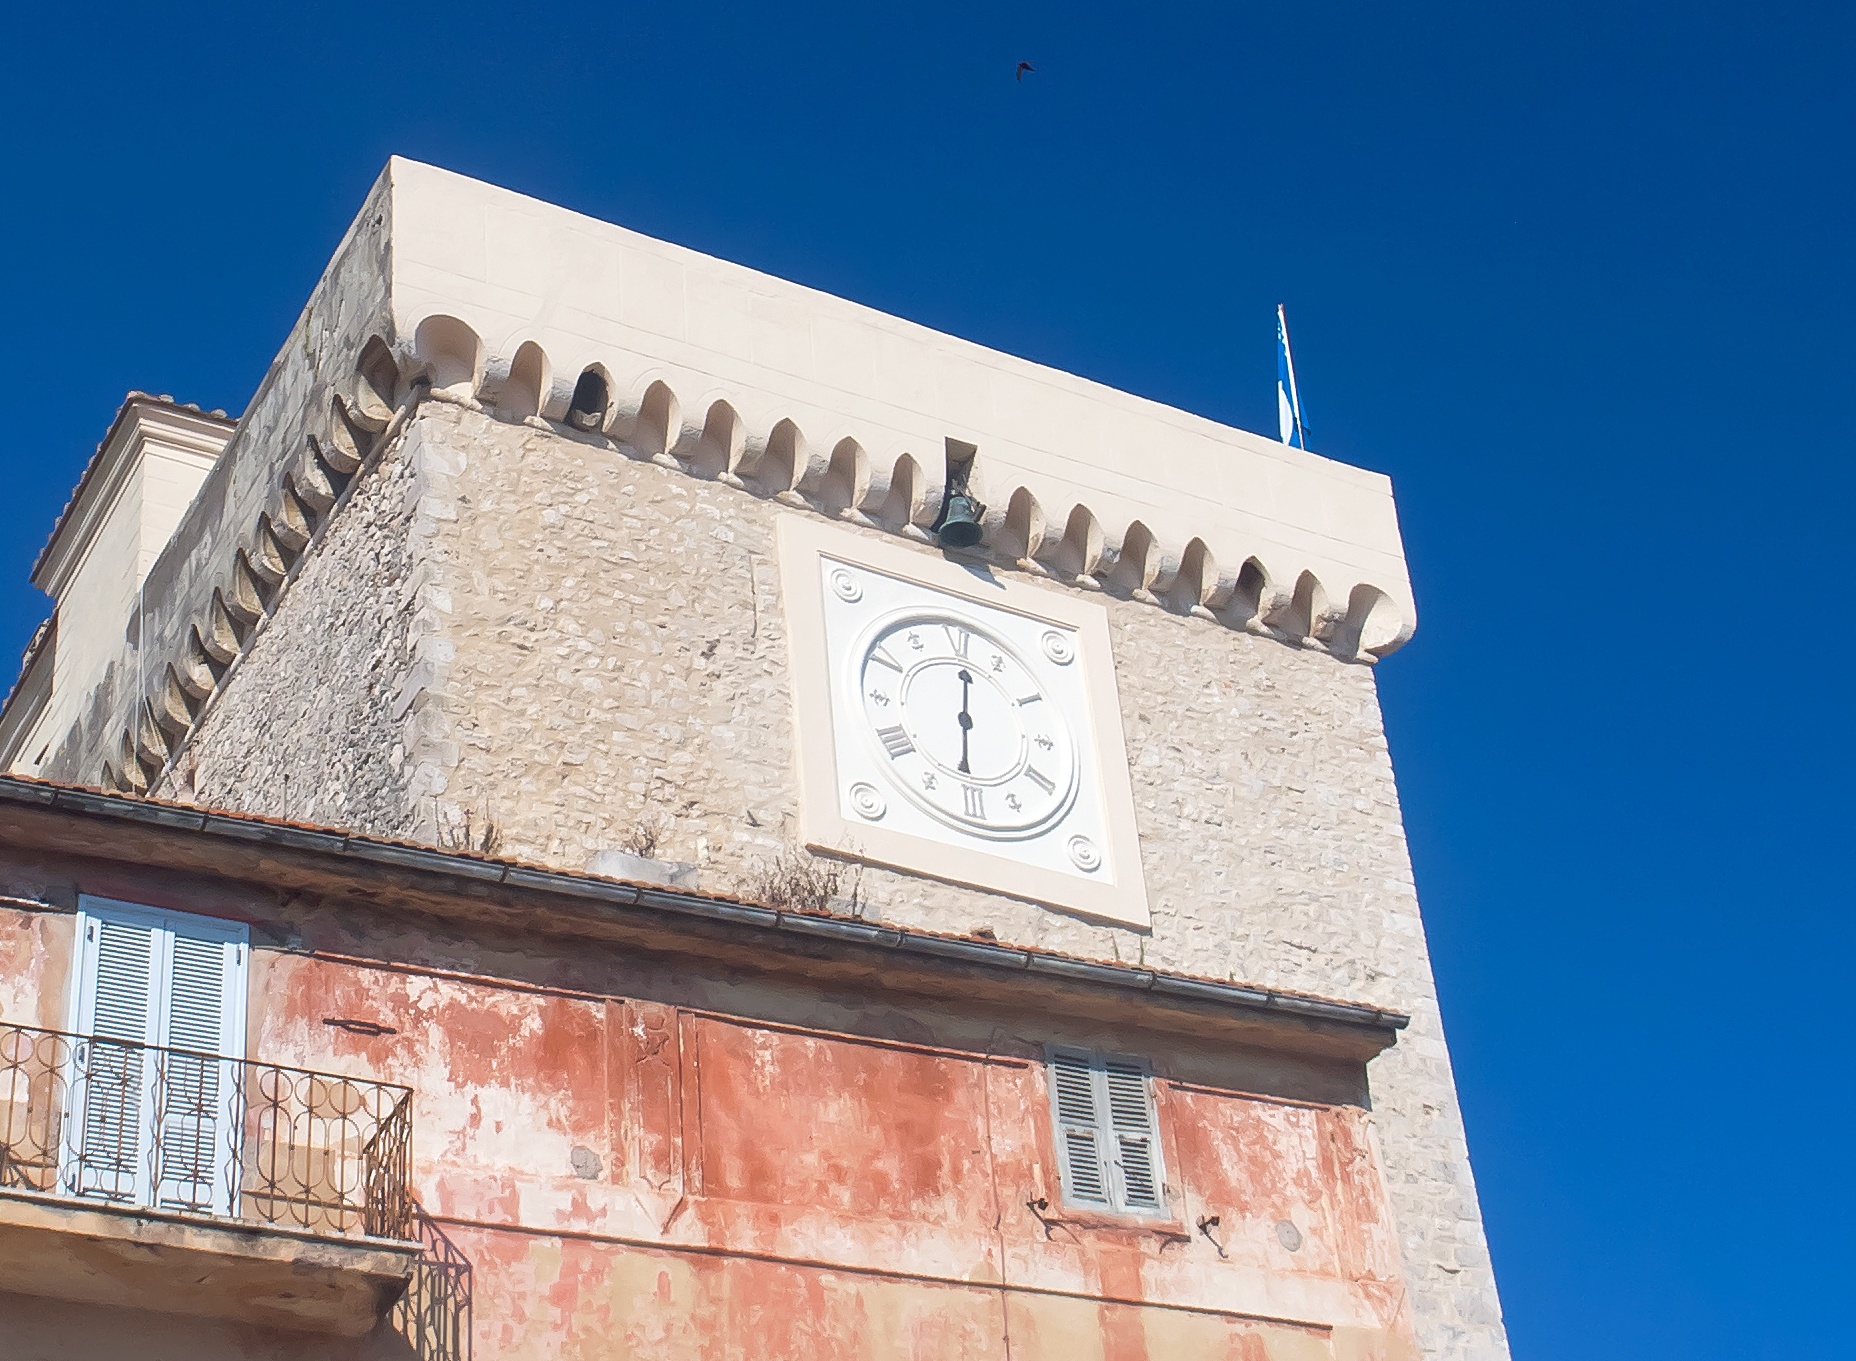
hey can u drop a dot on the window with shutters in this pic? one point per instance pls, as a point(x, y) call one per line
point(1108, 1139)
point(158, 1001)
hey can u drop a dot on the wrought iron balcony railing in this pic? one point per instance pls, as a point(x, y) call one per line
point(434, 1313)
point(171, 1129)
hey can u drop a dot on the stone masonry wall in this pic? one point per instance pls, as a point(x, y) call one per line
point(574, 644)
point(311, 724)
point(617, 654)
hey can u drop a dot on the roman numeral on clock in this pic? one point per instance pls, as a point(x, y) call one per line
point(895, 741)
point(961, 640)
point(1040, 779)
point(975, 801)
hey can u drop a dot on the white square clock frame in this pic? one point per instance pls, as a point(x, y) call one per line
point(956, 723)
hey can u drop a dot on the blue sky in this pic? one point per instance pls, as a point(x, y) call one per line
point(1578, 276)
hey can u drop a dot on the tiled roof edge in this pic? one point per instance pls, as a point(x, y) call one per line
point(329, 841)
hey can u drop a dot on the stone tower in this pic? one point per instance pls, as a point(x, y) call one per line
point(543, 537)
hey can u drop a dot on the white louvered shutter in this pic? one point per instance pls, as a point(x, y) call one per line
point(107, 1152)
point(197, 1089)
point(157, 1125)
point(1078, 1114)
point(1133, 1128)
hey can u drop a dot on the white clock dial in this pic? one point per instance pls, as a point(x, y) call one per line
point(963, 727)
point(957, 722)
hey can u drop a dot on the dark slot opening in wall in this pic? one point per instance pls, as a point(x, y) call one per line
point(587, 410)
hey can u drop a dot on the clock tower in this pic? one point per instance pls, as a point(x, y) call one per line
point(547, 539)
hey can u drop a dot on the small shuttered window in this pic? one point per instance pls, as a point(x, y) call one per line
point(159, 1004)
point(1108, 1139)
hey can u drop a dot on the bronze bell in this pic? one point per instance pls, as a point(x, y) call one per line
point(960, 526)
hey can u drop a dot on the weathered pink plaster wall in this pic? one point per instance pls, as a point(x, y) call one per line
point(655, 1157)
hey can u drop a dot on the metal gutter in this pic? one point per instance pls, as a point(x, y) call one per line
point(21, 790)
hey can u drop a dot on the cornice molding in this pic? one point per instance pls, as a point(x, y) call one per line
point(1269, 593)
point(296, 855)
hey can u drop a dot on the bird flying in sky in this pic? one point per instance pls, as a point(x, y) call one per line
point(1023, 67)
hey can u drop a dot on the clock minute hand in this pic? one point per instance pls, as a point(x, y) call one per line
point(964, 718)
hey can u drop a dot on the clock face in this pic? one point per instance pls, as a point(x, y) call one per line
point(963, 726)
point(959, 723)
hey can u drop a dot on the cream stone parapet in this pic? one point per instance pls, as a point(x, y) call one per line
point(448, 289)
point(510, 302)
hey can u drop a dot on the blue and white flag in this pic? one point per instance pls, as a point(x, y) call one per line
point(1288, 401)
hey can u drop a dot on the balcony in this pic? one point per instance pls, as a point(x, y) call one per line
point(192, 1183)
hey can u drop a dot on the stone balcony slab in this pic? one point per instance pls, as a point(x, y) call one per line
point(137, 1258)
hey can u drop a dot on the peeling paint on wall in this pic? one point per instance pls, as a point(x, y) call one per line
point(769, 1188)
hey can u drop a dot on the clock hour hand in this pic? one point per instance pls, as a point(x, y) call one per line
point(965, 719)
